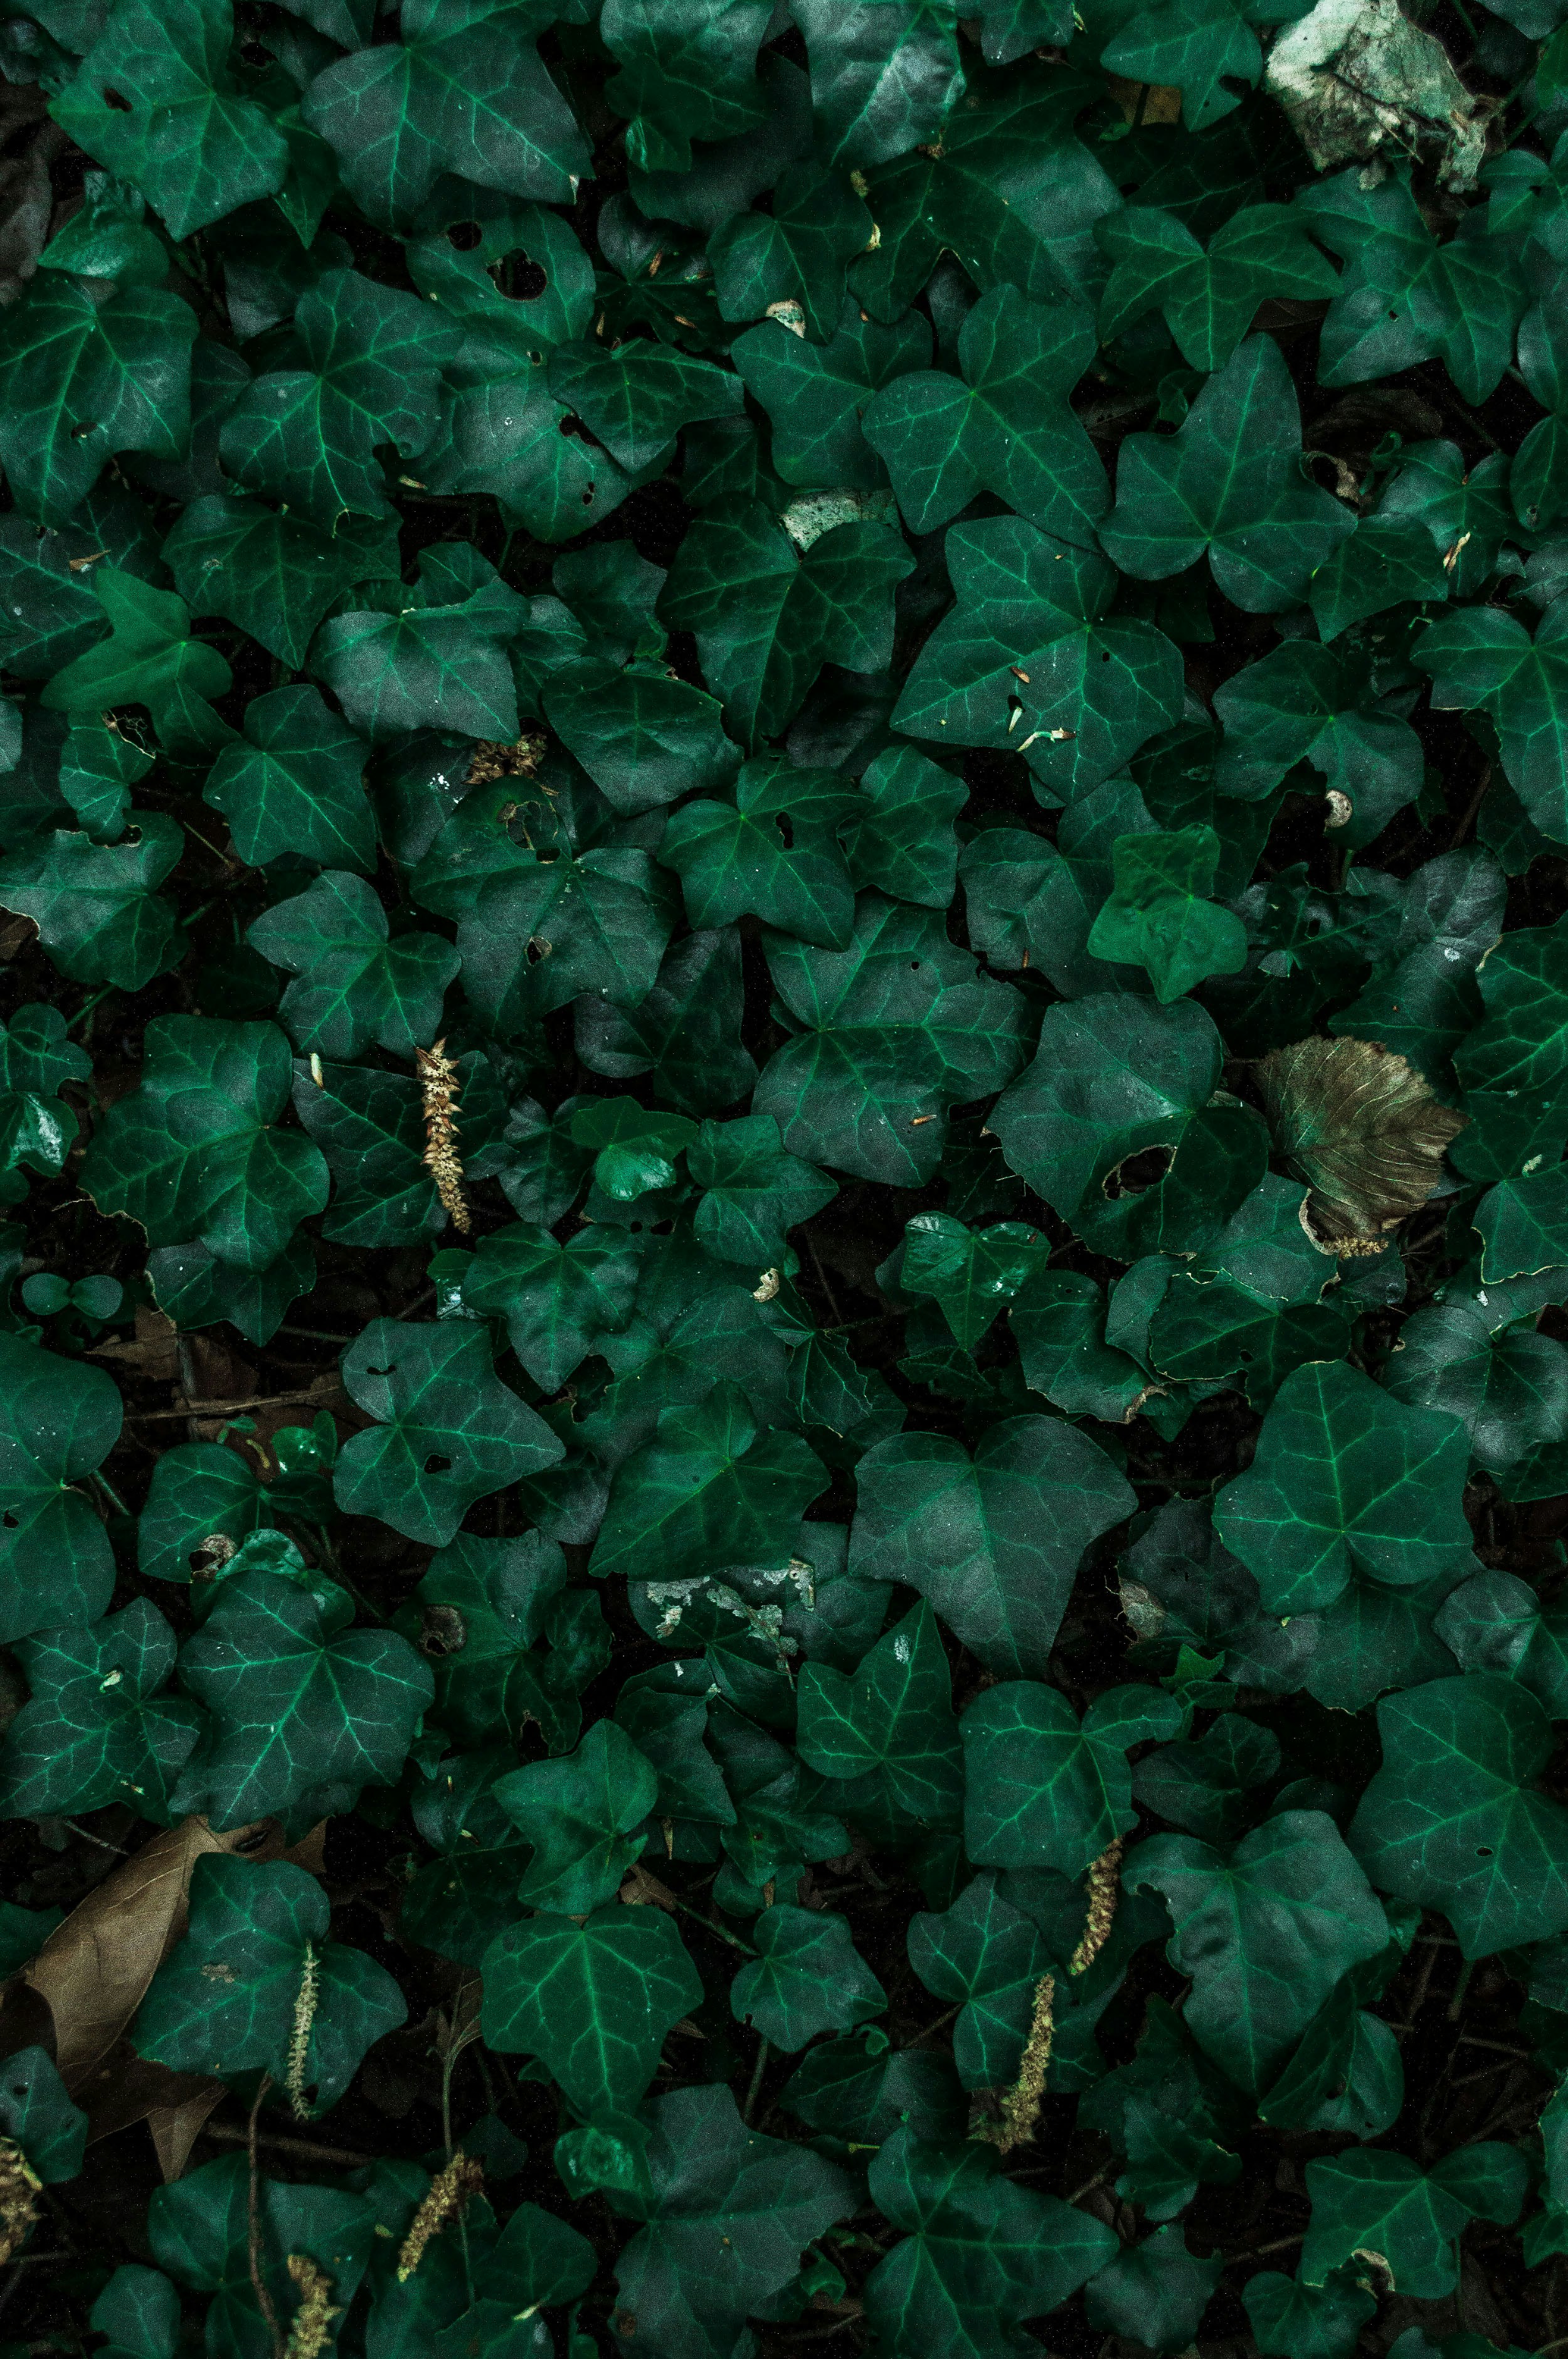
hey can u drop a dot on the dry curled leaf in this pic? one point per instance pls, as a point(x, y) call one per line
point(94, 1971)
point(1361, 1127)
point(1355, 77)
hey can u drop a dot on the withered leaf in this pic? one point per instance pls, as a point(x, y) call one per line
point(1360, 1127)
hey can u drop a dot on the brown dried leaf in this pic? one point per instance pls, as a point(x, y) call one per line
point(176, 2128)
point(94, 1968)
point(1361, 1127)
point(154, 1349)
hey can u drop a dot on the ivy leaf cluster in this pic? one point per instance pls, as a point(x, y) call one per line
point(783, 1086)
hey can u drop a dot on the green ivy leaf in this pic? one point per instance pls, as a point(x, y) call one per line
point(980, 2252)
point(1005, 426)
point(296, 786)
point(1405, 298)
point(370, 1126)
point(153, 100)
point(505, 1640)
point(447, 1431)
point(684, 1032)
point(95, 1730)
point(710, 1489)
point(195, 1152)
point(1008, 189)
point(585, 1816)
point(1042, 1790)
point(447, 99)
point(1159, 915)
point(889, 1730)
point(432, 658)
point(200, 1490)
point(767, 619)
point(1155, 2293)
point(807, 1977)
point(227, 1999)
point(752, 1191)
point(1207, 295)
point(149, 658)
point(95, 906)
point(304, 1711)
point(354, 986)
point(1230, 481)
point(879, 89)
point(1266, 1934)
point(1451, 1818)
point(556, 1299)
point(815, 393)
point(1307, 703)
point(1112, 1077)
point(635, 399)
point(275, 574)
point(1027, 664)
point(968, 1534)
point(1386, 2204)
point(686, 73)
point(1346, 1480)
point(38, 1127)
point(82, 379)
point(773, 854)
point(592, 2001)
point(1483, 658)
point(643, 737)
point(366, 368)
point(894, 1030)
point(562, 928)
point(200, 2229)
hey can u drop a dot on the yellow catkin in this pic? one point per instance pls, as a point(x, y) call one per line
point(1105, 1884)
point(449, 2191)
point(305, 2002)
point(440, 1086)
point(1020, 2106)
point(312, 2331)
point(20, 2188)
point(493, 758)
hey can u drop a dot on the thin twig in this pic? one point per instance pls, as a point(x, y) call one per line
point(1260, 2252)
point(230, 2134)
point(758, 2068)
point(198, 1411)
point(258, 2278)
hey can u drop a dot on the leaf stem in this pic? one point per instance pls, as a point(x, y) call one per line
point(253, 2240)
point(758, 2068)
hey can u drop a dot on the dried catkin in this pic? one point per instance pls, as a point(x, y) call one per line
point(311, 2330)
point(20, 2188)
point(305, 2002)
point(1104, 1887)
point(1020, 2106)
point(449, 2191)
point(440, 1086)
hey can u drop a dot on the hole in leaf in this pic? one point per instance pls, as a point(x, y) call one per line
point(436, 1465)
point(121, 105)
point(1138, 1172)
point(465, 236)
point(529, 280)
point(1483, 1851)
point(785, 827)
